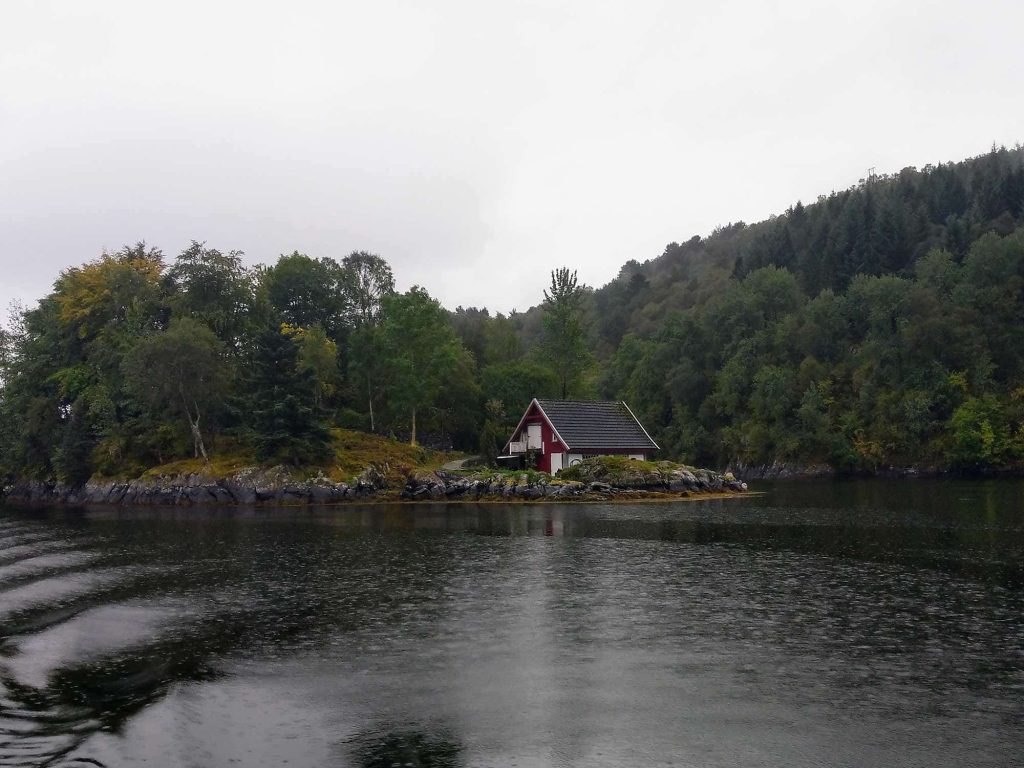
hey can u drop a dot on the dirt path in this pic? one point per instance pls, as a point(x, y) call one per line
point(458, 463)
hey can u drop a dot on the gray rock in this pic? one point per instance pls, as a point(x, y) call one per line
point(197, 494)
point(243, 494)
point(372, 478)
point(320, 494)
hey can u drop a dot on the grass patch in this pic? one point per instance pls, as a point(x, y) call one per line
point(612, 469)
point(600, 467)
point(221, 465)
point(355, 451)
point(352, 453)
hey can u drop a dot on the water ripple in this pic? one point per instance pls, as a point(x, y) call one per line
point(807, 628)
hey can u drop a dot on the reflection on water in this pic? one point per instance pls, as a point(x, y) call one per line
point(387, 747)
point(866, 623)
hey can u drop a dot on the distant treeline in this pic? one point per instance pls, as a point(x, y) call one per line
point(882, 325)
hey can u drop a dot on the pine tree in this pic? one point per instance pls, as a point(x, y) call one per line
point(73, 460)
point(493, 433)
point(564, 342)
point(285, 422)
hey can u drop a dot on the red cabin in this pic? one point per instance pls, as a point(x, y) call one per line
point(564, 432)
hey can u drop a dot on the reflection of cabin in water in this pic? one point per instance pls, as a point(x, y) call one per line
point(564, 432)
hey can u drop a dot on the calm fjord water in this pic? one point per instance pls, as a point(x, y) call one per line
point(858, 623)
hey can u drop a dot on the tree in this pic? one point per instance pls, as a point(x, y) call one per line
point(63, 386)
point(212, 287)
point(471, 325)
point(501, 342)
point(179, 370)
point(564, 344)
point(367, 282)
point(494, 432)
point(318, 356)
point(366, 365)
point(458, 406)
point(108, 292)
point(307, 292)
point(284, 418)
point(515, 384)
point(980, 435)
point(418, 347)
point(7, 341)
point(72, 460)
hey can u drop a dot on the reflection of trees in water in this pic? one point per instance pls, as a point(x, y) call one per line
point(386, 747)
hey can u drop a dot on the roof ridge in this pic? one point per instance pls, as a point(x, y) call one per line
point(561, 400)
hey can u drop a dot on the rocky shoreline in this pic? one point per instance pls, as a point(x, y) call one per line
point(780, 470)
point(279, 486)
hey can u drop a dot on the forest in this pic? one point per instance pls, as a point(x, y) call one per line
point(880, 326)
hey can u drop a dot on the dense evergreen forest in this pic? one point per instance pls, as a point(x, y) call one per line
point(879, 326)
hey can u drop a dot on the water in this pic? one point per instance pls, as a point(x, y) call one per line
point(822, 624)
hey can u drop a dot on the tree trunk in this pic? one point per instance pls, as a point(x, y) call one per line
point(412, 440)
point(193, 424)
point(197, 441)
point(369, 400)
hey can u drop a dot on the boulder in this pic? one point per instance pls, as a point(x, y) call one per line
point(238, 490)
point(372, 478)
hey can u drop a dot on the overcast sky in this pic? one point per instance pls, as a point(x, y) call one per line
point(475, 145)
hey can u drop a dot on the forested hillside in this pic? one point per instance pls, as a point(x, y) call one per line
point(882, 325)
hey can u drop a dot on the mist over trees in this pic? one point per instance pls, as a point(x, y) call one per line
point(879, 326)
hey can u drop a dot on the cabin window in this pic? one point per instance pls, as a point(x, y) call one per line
point(533, 436)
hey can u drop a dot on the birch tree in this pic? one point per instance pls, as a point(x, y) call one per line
point(182, 371)
point(367, 282)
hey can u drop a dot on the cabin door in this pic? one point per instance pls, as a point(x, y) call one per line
point(556, 463)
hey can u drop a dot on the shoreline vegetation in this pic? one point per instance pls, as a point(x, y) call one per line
point(875, 331)
point(394, 473)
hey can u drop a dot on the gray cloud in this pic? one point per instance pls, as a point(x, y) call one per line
point(474, 145)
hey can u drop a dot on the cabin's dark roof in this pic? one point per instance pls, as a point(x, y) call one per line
point(596, 424)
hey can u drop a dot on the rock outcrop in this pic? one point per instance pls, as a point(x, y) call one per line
point(780, 470)
point(594, 478)
point(279, 485)
point(276, 485)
